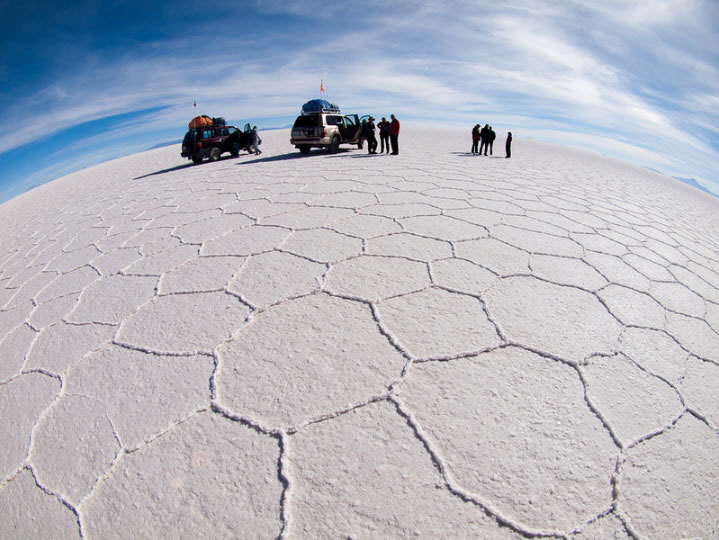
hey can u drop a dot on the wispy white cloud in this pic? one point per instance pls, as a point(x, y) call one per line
point(623, 78)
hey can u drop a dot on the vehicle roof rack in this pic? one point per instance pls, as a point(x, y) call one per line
point(322, 110)
point(320, 106)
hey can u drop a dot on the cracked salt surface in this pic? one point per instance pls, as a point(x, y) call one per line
point(432, 344)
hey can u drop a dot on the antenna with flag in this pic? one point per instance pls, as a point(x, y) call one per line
point(194, 103)
point(322, 86)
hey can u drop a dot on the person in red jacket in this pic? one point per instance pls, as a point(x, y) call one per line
point(394, 135)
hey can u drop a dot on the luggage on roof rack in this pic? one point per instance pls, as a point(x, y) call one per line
point(200, 121)
point(204, 121)
point(319, 105)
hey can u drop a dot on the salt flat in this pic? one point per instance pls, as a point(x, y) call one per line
point(432, 344)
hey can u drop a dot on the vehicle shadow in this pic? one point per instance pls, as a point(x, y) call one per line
point(163, 171)
point(293, 155)
point(349, 152)
point(186, 165)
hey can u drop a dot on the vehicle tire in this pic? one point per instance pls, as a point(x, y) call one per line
point(235, 149)
point(214, 153)
point(305, 149)
point(334, 146)
point(197, 159)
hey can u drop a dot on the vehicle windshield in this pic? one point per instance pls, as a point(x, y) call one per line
point(304, 121)
point(189, 138)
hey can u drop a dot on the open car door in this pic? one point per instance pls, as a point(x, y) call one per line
point(352, 126)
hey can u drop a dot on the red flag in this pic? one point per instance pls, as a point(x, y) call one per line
point(194, 103)
point(322, 85)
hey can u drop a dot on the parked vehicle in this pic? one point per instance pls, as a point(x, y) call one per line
point(211, 141)
point(322, 125)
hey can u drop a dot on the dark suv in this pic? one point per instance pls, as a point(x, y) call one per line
point(213, 141)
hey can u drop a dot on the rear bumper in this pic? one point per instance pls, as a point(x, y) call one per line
point(189, 155)
point(310, 141)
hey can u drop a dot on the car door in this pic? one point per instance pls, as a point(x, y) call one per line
point(223, 138)
point(353, 125)
point(338, 122)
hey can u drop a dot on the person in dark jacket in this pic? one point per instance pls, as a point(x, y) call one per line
point(508, 145)
point(484, 139)
point(394, 135)
point(475, 138)
point(384, 135)
point(492, 136)
point(371, 139)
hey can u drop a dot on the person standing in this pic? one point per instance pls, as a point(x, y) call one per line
point(492, 136)
point(508, 145)
point(384, 135)
point(394, 135)
point(371, 139)
point(256, 141)
point(484, 139)
point(475, 138)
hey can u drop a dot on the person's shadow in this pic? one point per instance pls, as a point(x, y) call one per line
point(469, 154)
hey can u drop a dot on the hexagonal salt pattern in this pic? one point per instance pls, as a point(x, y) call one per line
point(683, 500)
point(160, 326)
point(437, 323)
point(334, 357)
point(22, 402)
point(431, 344)
point(26, 511)
point(513, 427)
point(561, 320)
point(206, 478)
point(376, 444)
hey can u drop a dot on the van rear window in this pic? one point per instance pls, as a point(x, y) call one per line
point(307, 121)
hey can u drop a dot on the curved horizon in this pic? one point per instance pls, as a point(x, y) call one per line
point(93, 82)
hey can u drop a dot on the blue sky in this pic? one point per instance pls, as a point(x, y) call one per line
point(90, 81)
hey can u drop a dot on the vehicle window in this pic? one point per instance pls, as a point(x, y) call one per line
point(232, 130)
point(224, 132)
point(306, 121)
point(350, 121)
point(334, 120)
point(208, 133)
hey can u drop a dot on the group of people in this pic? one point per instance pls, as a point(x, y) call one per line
point(388, 134)
point(483, 140)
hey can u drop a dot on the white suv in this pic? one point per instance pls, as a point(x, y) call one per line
point(327, 130)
